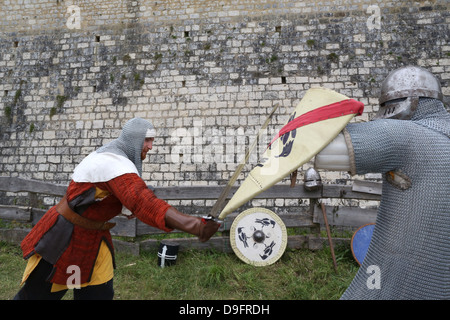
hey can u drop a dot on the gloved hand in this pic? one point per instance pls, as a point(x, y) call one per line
point(203, 228)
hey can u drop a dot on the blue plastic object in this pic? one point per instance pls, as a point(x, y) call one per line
point(361, 241)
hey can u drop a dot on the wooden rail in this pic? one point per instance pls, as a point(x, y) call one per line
point(309, 216)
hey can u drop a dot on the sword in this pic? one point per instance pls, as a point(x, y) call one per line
point(223, 196)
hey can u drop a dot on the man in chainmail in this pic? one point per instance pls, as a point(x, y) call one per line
point(409, 254)
point(71, 246)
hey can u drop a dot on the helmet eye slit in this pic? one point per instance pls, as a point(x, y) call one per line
point(403, 87)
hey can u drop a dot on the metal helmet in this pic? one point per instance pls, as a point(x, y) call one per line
point(401, 90)
point(312, 180)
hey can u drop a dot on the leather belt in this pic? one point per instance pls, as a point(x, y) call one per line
point(63, 209)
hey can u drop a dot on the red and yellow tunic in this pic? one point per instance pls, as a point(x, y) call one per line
point(63, 244)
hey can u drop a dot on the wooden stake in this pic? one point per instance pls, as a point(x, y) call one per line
point(324, 212)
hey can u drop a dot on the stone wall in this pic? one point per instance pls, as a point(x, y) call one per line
point(206, 73)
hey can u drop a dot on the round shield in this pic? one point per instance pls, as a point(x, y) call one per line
point(361, 241)
point(258, 236)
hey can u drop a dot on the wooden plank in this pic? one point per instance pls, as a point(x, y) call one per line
point(318, 243)
point(345, 216)
point(15, 213)
point(217, 243)
point(36, 215)
point(14, 236)
point(279, 191)
point(296, 220)
point(124, 227)
point(150, 245)
point(213, 192)
point(223, 244)
point(345, 192)
point(126, 247)
point(367, 187)
point(145, 229)
point(188, 193)
point(297, 242)
point(14, 184)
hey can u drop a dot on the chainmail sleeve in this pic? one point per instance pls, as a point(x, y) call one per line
point(374, 146)
point(134, 194)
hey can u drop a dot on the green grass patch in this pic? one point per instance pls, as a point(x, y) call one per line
point(211, 275)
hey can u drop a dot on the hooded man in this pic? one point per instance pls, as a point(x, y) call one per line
point(71, 245)
point(409, 143)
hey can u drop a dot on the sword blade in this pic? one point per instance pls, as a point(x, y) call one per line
point(218, 206)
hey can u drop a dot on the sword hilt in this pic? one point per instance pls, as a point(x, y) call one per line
point(210, 217)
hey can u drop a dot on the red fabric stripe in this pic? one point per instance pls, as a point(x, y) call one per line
point(334, 110)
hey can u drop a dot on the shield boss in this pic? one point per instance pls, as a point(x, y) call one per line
point(258, 236)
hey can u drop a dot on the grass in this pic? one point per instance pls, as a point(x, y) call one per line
point(211, 275)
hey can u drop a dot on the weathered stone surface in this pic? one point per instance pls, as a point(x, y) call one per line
point(206, 72)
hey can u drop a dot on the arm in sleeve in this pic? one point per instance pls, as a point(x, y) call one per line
point(374, 146)
point(134, 194)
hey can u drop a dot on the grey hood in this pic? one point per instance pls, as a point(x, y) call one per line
point(131, 140)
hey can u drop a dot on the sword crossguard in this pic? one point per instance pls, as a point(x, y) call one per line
point(205, 219)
